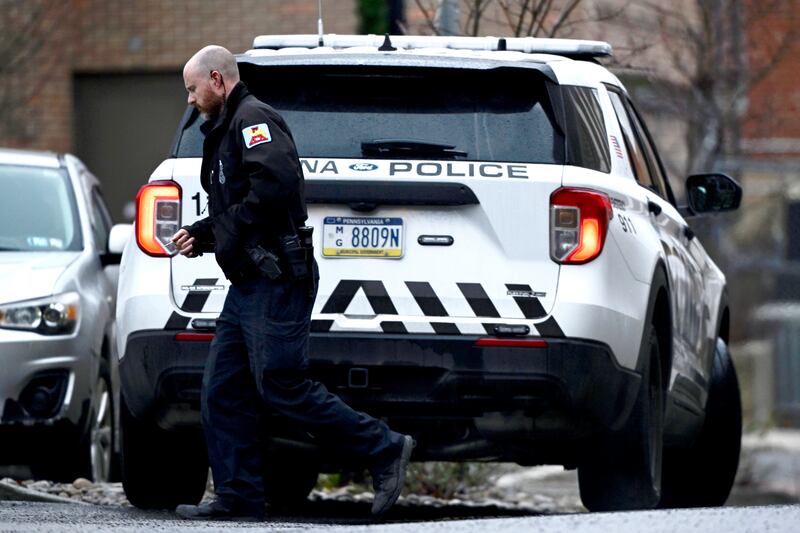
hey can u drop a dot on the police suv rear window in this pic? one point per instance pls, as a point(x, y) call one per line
point(483, 115)
point(500, 115)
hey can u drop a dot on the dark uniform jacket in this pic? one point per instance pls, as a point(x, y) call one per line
point(254, 180)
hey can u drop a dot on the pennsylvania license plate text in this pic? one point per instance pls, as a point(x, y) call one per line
point(362, 237)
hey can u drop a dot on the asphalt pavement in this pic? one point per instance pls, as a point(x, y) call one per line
point(59, 518)
point(517, 499)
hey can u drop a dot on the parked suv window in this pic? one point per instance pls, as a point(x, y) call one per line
point(37, 210)
point(586, 132)
point(101, 223)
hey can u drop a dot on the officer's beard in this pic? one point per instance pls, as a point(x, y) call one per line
point(214, 107)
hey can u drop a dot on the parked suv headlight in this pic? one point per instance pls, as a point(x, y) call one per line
point(55, 315)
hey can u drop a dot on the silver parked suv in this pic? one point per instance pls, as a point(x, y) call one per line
point(57, 299)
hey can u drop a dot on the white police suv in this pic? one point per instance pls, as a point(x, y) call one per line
point(506, 275)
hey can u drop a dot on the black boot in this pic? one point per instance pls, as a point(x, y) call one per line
point(216, 510)
point(388, 479)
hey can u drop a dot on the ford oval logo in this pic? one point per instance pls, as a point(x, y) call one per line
point(363, 167)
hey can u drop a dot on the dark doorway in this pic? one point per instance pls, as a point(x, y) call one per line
point(124, 125)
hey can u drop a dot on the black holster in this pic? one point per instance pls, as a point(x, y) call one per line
point(292, 261)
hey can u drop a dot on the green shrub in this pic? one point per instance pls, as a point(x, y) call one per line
point(373, 17)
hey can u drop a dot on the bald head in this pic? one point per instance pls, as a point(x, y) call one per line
point(209, 76)
point(211, 58)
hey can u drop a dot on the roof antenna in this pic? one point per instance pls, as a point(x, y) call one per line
point(502, 45)
point(387, 44)
point(319, 25)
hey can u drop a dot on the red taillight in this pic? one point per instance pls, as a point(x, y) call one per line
point(158, 210)
point(578, 224)
point(194, 337)
point(511, 343)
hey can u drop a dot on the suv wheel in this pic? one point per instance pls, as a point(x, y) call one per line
point(702, 475)
point(99, 442)
point(624, 472)
point(88, 454)
point(288, 478)
point(161, 469)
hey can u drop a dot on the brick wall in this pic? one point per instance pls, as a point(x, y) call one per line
point(57, 38)
point(772, 126)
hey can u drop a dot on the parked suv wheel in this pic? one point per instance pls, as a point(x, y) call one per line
point(88, 454)
point(98, 443)
point(161, 469)
point(702, 475)
point(624, 472)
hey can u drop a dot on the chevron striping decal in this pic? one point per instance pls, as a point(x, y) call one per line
point(378, 298)
point(195, 300)
point(193, 303)
point(393, 326)
point(445, 328)
point(426, 298)
point(478, 300)
point(549, 328)
point(177, 321)
point(531, 307)
point(341, 296)
point(428, 301)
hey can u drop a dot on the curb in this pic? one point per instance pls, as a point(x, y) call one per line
point(11, 491)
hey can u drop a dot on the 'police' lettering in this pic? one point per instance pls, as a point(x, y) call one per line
point(517, 171)
point(396, 167)
point(486, 174)
point(451, 172)
point(330, 166)
point(307, 165)
point(437, 169)
point(458, 169)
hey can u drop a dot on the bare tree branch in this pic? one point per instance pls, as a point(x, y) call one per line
point(563, 17)
point(429, 14)
point(538, 17)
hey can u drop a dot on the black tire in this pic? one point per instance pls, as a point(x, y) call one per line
point(97, 445)
point(161, 469)
point(288, 478)
point(88, 453)
point(703, 475)
point(624, 470)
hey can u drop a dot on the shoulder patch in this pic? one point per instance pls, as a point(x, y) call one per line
point(256, 134)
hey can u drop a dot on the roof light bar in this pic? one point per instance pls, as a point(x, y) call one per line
point(529, 45)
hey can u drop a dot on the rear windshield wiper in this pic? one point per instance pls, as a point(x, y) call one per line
point(6, 249)
point(408, 147)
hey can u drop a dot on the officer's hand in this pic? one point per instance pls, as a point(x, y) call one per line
point(184, 242)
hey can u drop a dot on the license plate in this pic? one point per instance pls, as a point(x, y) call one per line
point(362, 237)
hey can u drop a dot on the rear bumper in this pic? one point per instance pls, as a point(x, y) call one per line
point(405, 377)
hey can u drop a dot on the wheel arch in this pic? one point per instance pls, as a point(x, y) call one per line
point(724, 318)
point(659, 313)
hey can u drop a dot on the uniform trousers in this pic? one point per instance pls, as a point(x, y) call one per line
point(257, 358)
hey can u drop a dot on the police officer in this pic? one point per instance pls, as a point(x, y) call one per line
point(253, 176)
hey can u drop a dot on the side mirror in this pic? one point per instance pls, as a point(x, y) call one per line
point(117, 239)
point(712, 193)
